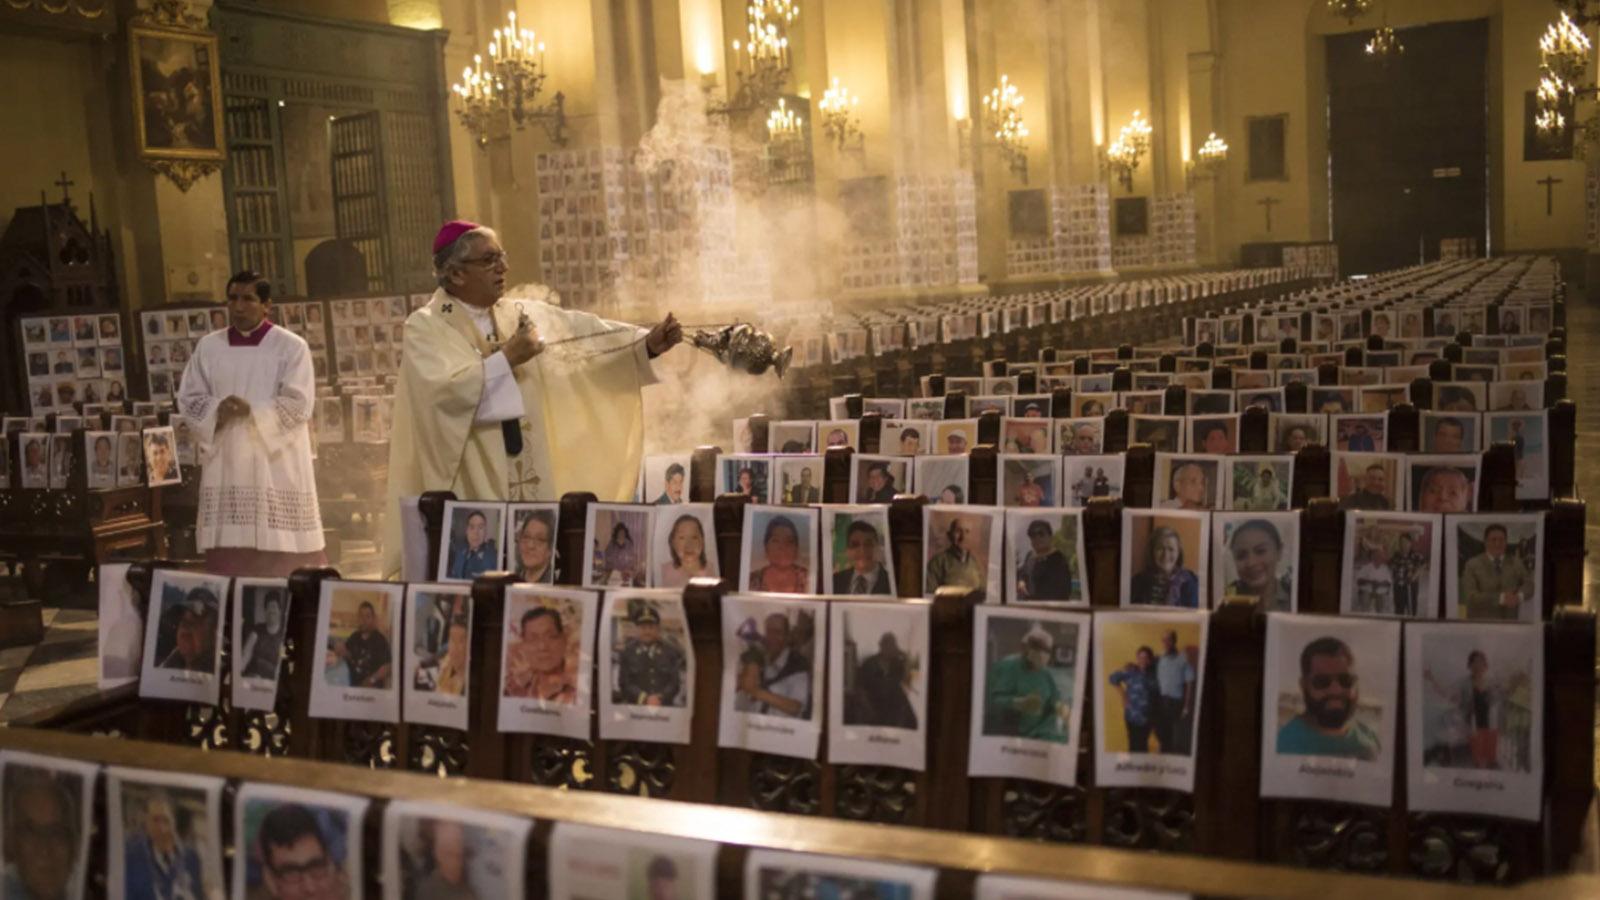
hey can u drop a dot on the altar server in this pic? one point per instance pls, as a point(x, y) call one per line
point(248, 393)
point(482, 410)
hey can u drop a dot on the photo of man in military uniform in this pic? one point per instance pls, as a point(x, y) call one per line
point(651, 666)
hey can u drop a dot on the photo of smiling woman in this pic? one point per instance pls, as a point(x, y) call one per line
point(1255, 557)
point(682, 546)
point(1165, 563)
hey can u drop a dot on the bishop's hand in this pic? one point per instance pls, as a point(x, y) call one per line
point(524, 345)
point(667, 334)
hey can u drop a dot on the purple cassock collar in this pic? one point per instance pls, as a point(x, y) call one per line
point(253, 339)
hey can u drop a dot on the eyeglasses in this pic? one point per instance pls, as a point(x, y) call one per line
point(1323, 682)
point(317, 870)
point(488, 260)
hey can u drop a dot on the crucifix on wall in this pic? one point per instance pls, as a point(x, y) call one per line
point(1269, 203)
point(1549, 182)
point(64, 184)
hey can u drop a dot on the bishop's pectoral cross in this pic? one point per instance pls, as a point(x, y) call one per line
point(1269, 203)
point(1549, 182)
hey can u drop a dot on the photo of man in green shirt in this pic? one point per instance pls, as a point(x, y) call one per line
point(1328, 726)
point(962, 561)
point(1023, 696)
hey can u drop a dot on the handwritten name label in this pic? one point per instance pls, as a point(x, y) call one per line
point(1476, 784)
point(527, 710)
point(648, 717)
point(1154, 767)
point(1333, 771)
point(359, 698)
point(757, 725)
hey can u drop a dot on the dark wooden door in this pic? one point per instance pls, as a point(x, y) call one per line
point(1408, 144)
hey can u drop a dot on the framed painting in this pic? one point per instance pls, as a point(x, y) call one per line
point(177, 93)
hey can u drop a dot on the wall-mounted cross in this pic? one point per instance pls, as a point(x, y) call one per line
point(1269, 203)
point(64, 184)
point(1549, 182)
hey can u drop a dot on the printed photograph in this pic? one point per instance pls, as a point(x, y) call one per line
point(160, 456)
point(877, 479)
point(619, 545)
point(1526, 433)
point(294, 842)
point(1449, 432)
point(187, 626)
point(360, 629)
point(1495, 563)
point(905, 437)
point(1360, 433)
point(1336, 687)
point(665, 480)
point(1259, 483)
point(434, 851)
point(1368, 481)
point(1256, 556)
point(774, 874)
point(884, 676)
point(1188, 482)
point(1025, 435)
point(1516, 396)
point(954, 437)
point(1080, 437)
point(838, 433)
point(1391, 564)
point(46, 825)
point(650, 649)
point(1029, 481)
point(130, 460)
point(1443, 484)
point(1164, 563)
point(441, 640)
point(1030, 676)
point(1291, 432)
point(167, 840)
point(471, 540)
point(1093, 405)
point(1479, 700)
point(1046, 557)
point(530, 540)
point(1459, 396)
point(961, 547)
point(1164, 434)
point(942, 479)
point(35, 469)
point(588, 863)
point(856, 551)
point(684, 545)
point(1149, 697)
point(792, 437)
point(774, 661)
point(746, 474)
point(1086, 477)
point(263, 611)
point(545, 657)
point(780, 550)
point(1214, 435)
point(797, 481)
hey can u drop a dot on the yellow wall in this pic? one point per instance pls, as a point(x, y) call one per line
point(1272, 61)
point(47, 131)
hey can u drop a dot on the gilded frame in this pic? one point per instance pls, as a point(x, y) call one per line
point(154, 145)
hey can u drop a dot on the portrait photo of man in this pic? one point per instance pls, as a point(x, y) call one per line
point(651, 667)
point(537, 661)
point(43, 849)
point(294, 849)
point(1023, 692)
point(363, 657)
point(1330, 692)
point(773, 675)
point(533, 545)
point(188, 637)
point(862, 570)
point(160, 860)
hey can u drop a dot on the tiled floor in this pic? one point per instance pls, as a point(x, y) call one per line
point(57, 670)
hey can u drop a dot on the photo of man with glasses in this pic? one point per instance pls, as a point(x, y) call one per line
point(1328, 724)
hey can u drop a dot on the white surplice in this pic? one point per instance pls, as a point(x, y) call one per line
point(257, 486)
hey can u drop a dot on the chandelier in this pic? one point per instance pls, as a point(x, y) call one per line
point(1132, 143)
point(1385, 45)
point(1002, 118)
point(508, 85)
point(838, 112)
point(1563, 61)
point(761, 60)
point(784, 124)
point(1582, 15)
point(1564, 49)
point(1209, 158)
point(1349, 10)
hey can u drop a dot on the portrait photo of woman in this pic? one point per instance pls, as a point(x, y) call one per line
point(683, 550)
point(1165, 562)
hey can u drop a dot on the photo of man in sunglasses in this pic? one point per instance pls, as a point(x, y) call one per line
point(1327, 726)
